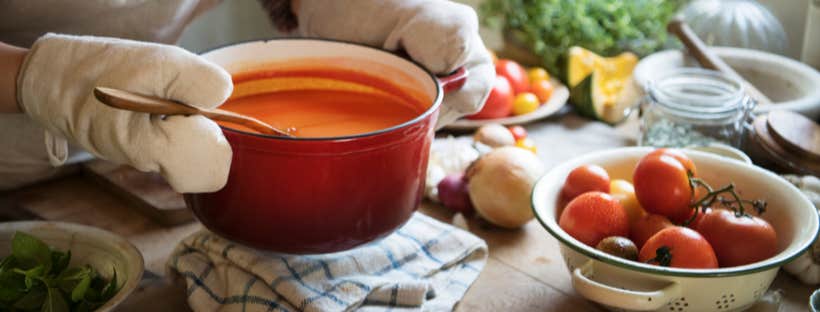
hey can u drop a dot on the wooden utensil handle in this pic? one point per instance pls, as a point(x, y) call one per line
point(139, 103)
point(705, 57)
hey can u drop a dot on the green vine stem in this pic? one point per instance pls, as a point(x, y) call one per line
point(735, 203)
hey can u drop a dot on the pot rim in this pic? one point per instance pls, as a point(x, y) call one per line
point(594, 254)
point(435, 106)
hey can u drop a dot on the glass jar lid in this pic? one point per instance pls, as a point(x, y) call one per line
point(698, 94)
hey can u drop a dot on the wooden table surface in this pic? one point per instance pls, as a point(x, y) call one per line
point(524, 272)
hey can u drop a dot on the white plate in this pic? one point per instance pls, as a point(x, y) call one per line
point(557, 100)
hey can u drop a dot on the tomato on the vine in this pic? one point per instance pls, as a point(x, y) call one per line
point(646, 226)
point(680, 156)
point(678, 247)
point(662, 186)
point(584, 179)
point(593, 216)
point(738, 239)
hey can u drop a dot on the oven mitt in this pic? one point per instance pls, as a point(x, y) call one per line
point(440, 35)
point(55, 88)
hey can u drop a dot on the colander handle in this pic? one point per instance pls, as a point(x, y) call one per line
point(618, 297)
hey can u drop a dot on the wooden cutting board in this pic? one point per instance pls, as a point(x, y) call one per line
point(148, 193)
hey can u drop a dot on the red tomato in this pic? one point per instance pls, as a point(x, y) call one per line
point(514, 73)
point(680, 156)
point(647, 226)
point(593, 216)
point(662, 186)
point(500, 102)
point(518, 132)
point(584, 179)
point(694, 223)
point(738, 240)
point(678, 247)
point(542, 89)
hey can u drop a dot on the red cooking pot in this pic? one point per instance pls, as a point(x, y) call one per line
point(320, 195)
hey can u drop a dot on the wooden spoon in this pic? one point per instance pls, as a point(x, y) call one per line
point(709, 60)
point(152, 105)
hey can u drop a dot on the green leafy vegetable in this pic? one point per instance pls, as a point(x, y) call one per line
point(30, 251)
point(549, 28)
point(35, 277)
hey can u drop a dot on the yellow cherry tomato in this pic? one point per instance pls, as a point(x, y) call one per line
point(526, 144)
point(542, 89)
point(525, 102)
point(538, 73)
point(624, 192)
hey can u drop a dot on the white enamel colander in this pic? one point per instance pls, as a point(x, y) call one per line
point(621, 284)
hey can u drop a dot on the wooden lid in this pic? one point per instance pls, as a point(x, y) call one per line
point(778, 153)
point(795, 133)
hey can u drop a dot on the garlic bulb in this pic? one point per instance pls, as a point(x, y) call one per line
point(447, 156)
point(806, 267)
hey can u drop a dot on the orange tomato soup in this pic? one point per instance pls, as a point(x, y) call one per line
point(321, 102)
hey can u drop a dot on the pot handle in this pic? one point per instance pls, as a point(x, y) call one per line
point(619, 297)
point(453, 81)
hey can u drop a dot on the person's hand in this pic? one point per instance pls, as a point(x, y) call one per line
point(55, 89)
point(441, 35)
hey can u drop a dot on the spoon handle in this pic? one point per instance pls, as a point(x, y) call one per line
point(698, 49)
point(134, 102)
point(126, 100)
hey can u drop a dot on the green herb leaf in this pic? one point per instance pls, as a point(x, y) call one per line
point(7, 264)
point(79, 291)
point(30, 251)
point(86, 306)
point(33, 276)
point(68, 279)
point(54, 301)
point(548, 28)
point(12, 286)
point(32, 300)
point(111, 288)
point(59, 261)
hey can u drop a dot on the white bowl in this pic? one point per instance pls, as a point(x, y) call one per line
point(623, 284)
point(102, 250)
point(790, 84)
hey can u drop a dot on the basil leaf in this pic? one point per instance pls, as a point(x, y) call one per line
point(30, 251)
point(92, 295)
point(32, 300)
point(111, 289)
point(59, 261)
point(68, 279)
point(79, 291)
point(11, 286)
point(7, 264)
point(86, 306)
point(54, 301)
point(33, 276)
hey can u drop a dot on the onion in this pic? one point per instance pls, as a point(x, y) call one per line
point(452, 191)
point(500, 185)
point(494, 135)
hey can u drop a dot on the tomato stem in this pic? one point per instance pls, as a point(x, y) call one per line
point(735, 203)
point(663, 256)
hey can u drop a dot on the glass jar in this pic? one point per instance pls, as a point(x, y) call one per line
point(694, 107)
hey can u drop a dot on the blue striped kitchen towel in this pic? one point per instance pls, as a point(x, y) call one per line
point(426, 265)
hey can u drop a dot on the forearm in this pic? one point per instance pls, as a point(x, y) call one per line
point(11, 59)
